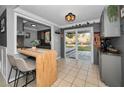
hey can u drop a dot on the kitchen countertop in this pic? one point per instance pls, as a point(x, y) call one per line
point(113, 54)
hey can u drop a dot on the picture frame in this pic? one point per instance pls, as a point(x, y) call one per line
point(27, 35)
point(2, 23)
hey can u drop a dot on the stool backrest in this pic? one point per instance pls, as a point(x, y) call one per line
point(21, 64)
point(11, 59)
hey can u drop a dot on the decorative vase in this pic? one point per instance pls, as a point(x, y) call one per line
point(34, 48)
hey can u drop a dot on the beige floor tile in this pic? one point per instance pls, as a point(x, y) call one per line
point(101, 84)
point(57, 82)
point(32, 84)
point(90, 85)
point(72, 73)
point(81, 71)
point(82, 76)
point(64, 83)
point(84, 68)
point(74, 85)
point(61, 75)
point(65, 70)
point(75, 70)
point(76, 66)
point(93, 75)
point(78, 82)
point(69, 78)
point(92, 80)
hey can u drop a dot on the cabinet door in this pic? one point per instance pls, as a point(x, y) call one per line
point(111, 70)
point(111, 29)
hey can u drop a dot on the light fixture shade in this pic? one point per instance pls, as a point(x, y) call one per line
point(70, 17)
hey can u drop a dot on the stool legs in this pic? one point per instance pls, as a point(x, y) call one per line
point(16, 78)
point(26, 79)
point(10, 74)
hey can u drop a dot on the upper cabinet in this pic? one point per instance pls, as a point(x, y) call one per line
point(110, 22)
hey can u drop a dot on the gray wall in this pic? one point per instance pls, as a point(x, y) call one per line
point(57, 42)
point(3, 35)
point(33, 36)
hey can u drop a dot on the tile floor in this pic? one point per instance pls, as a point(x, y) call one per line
point(73, 73)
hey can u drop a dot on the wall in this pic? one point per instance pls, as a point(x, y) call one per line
point(2, 8)
point(3, 35)
point(33, 36)
point(3, 49)
point(57, 42)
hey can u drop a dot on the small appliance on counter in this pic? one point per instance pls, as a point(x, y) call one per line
point(107, 47)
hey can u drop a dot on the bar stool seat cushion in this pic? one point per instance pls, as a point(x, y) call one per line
point(25, 65)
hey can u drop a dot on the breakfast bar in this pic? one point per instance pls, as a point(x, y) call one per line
point(46, 65)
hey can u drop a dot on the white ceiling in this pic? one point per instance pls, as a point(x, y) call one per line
point(28, 24)
point(56, 13)
point(38, 27)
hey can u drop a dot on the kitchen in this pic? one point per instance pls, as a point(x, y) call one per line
point(111, 51)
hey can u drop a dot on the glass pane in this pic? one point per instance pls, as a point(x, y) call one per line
point(84, 45)
point(70, 45)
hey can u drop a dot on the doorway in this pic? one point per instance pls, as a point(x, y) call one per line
point(79, 44)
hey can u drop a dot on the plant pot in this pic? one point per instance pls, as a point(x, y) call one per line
point(34, 48)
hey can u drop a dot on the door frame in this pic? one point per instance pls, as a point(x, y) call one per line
point(65, 41)
point(89, 29)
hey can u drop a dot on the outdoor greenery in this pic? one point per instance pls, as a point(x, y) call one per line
point(112, 12)
point(83, 41)
point(85, 48)
point(80, 48)
point(70, 35)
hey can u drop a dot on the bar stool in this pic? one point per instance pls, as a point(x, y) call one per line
point(25, 67)
point(12, 61)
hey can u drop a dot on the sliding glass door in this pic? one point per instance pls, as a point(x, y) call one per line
point(70, 44)
point(79, 44)
point(84, 45)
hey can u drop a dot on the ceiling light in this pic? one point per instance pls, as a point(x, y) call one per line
point(24, 21)
point(70, 17)
point(33, 25)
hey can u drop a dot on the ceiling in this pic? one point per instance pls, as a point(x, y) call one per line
point(28, 25)
point(56, 13)
point(37, 27)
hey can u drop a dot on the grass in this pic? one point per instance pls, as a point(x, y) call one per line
point(80, 48)
point(86, 48)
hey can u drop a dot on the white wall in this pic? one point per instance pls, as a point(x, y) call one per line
point(57, 42)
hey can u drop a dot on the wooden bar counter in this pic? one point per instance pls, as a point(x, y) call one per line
point(46, 65)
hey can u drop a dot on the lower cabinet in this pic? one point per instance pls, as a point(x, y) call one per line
point(110, 66)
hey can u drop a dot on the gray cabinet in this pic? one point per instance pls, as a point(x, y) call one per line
point(111, 69)
point(109, 29)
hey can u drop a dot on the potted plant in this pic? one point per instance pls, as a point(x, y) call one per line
point(112, 12)
point(34, 43)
